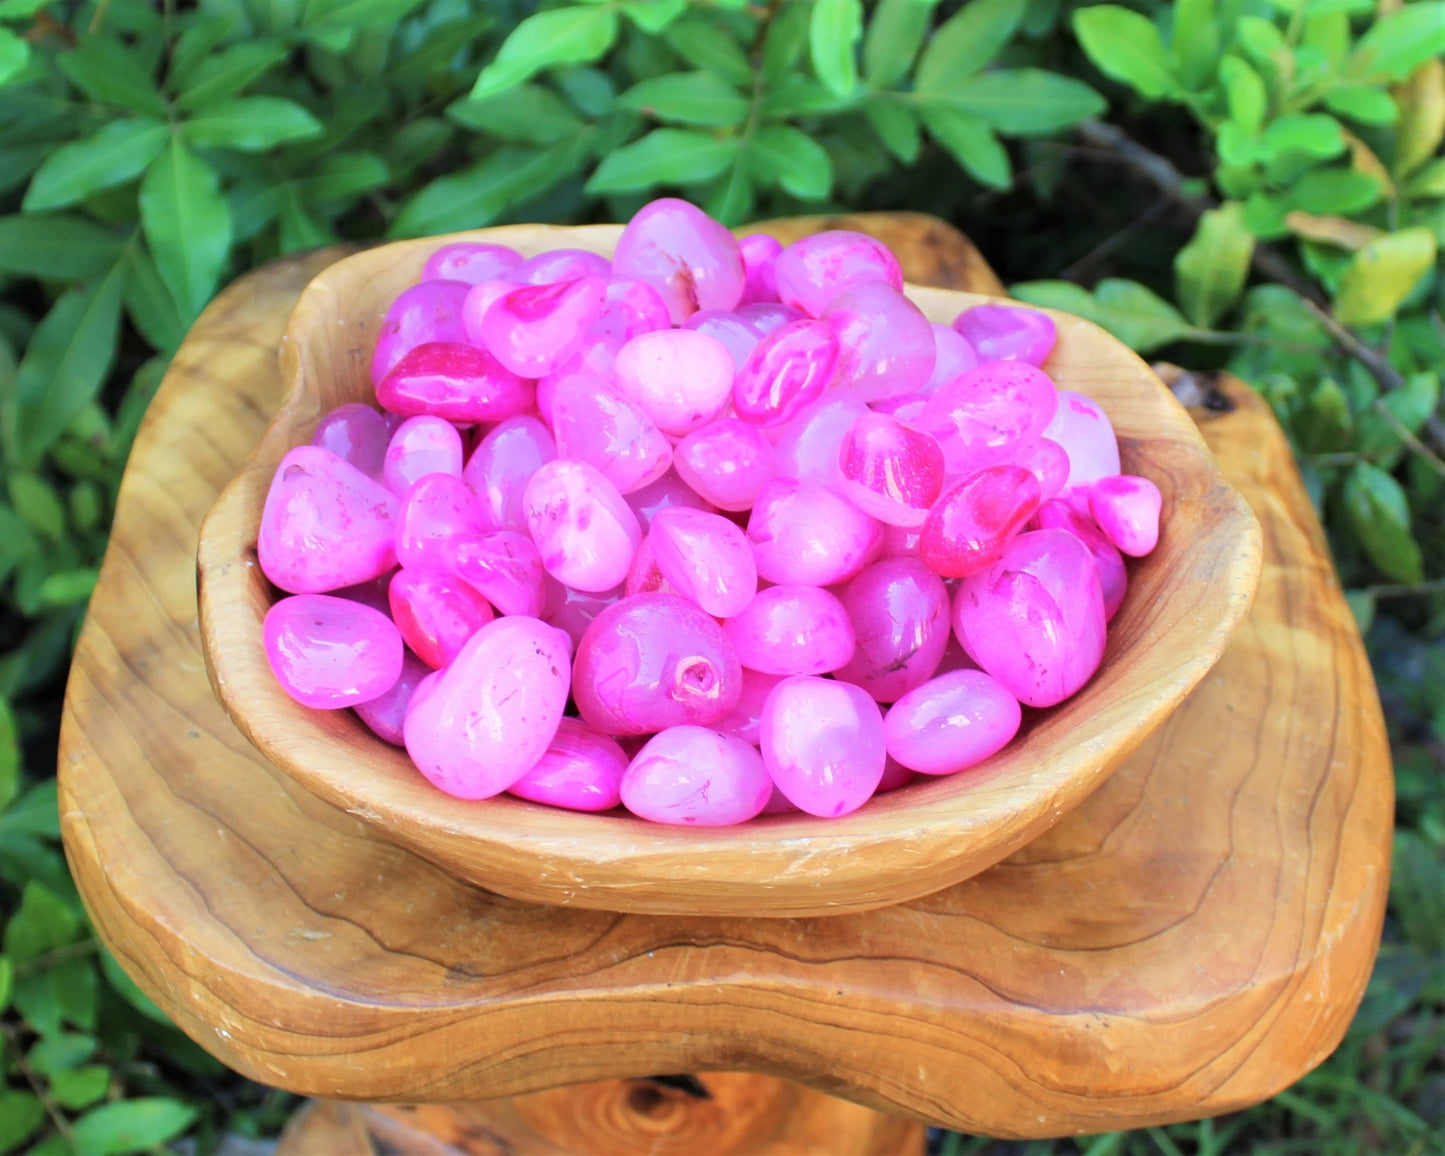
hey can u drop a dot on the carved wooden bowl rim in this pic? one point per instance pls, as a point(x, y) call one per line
point(1184, 602)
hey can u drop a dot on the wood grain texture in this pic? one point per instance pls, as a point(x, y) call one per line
point(1185, 600)
point(1191, 939)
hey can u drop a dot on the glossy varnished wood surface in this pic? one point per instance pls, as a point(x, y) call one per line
point(1185, 600)
point(1192, 938)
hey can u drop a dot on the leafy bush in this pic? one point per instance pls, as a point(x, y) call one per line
point(1251, 184)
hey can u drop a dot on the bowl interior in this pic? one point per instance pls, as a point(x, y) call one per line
point(1184, 601)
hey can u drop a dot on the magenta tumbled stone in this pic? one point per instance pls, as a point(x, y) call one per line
point(760, 254)
point(501, 466)
point(456, 381)
point(680, 378)
point(951, 723)
point(427, 312)
point(804, 533)
point(690, 259)
point(1126, 508)
point(436, 613)
point(693, 776)
point(608, 432)
point(1113, 578)
point(329, 653)
point(885, 344)
point(1035, 619)
point(811, 443)
point(385, 713)
point(706, 559)
point(1007, 333)
point(889, 471)
point(580, 771)
point(583, 529)
point(480, 724)
point(653, 661)
point(535, 328)
point(630, 308)
point(900, 615)
point(813, 271)
point(823, 744)
point(436, 511)
point(979, 416)
point(792, 630)
point(573, 610)
point(743, 720)
point(560, 265)
point(504, 567)
point(1087, 435)
point(357, 434)
point(421, 446)
point(470, 261)
point(788, 368)
point(668, 491)
point(325, 524)
point(726, 463)
point(969, 528)
point(645, 576)
point(1047, 461)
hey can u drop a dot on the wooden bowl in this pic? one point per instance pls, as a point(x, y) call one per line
point(1184, 602)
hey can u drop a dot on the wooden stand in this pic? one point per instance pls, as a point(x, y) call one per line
point(1191, 940)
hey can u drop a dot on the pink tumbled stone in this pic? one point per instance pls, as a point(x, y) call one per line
point(428, 312)
point(1047, 461)
point(456, 381)
point(560, 265)
point(608, 432)
point(1087, 435)
point(325, 524)
point(480, 724)
point(583, 529)
point(1113, 578)
point(646, 576)
point(692, 261)
point(952, 355)
point(803, 533)
point(889, 471)
point(766, 316)
point(899, 611)
point(969, 528)
point(729, 329)
point(1007, 333)
point(895, 775)
point(668, 491)
point(812, 442)
point(374, 592)
point(421, 446)
point(789, 368)
point(811, 272)
point(1035, 618)
point(951, 723)
point(982, 414)
point(437, 510)
point(357, 434)
point(1126, 508)
point(760, 254)
point(706, 559)
point(744, 719)
point(501, 466)
point(436, 613)
point(328, 652)
point(504, 567)
point(573, 610)
point(792, 630)
point(385, 713)
point(693, 776)
point(823, 744)
point(581, 771)
point(470, 261)
point(481, 297)
point(726, 462)
point(535, 328)
point(885, 344)
point(680, 378)
point(653, 661)
point(629, 309)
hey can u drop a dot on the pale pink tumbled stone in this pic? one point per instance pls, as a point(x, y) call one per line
point(574, 610)
point(668, 491)
point(680, 378)
point(811, 442)
point(706, 559)
point(611, 433)
point(427, 312)
point(788, 369)
point(585, 532)
point(889, 471)
point(693, 776)
point(325, 524)
point(470, 261)
point(328, 652)
point(480, 297)
point(1127, 508)
point(760, 254)
point(899, 610)
point(436, 511)
point(952, 355)
point(811, 272)
point(792, 630)
point(983, 413)
point(436, 613)
point(560, 265)
point(1035, 619)
point(885, 345)
point(823, 744)
point(744, 719)
point(1087, 435)
point(951, 723)
point(1113, 578)
point(1007, 333)
point(357, 434)
point(421, 446)
point(535, 328)
point(766, 316)
point(732, 331)
point(645, 576)
point(580, 771)
point(804, 533)
point(456, 381)
point(1047, 461)
point(629, 309)
point(480, 724)
point(726, 462)
point(505, 567)
point(500, 467)
point(690, 259)
point(385, 713)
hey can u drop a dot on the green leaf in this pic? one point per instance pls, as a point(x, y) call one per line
point(347, 14)
point(228, 72)
point(187, 225)
point(1139, 318)
point(60, 1053)
point(66, 363)
point(834, 30)
point(1264, 215)
point(781, 154)
point(653, 16)
point(104, 69)
point(75, 989)
point(195, 44)
point(1259, 38)
point(7, 987)
point(965, 42)
point(9, 756)
point(1210, 271)
point(665, 156)
point(896, 126)
point(529, 112)
point(575, 35)
point(1312, 134)
point(1335, 190)
point(55, 245)
point(129, 990)
point(115, 155)
point(251, 124)
point(1381, 275)
point(1025, 101)
point(895, 34)
point(43, 923)
point(1429, 181)
point(1398, 44)
point(1411, 405)
point(1245, 93)
point(20, 1114)
point(784, 42)
point(344, 176)
point(80, 1088)
point(151, 307)
point(37, 504)
point(701, 98)
point(1363, 104)
point(705, 44)
point(1194, 45)
point(14, 54)
point(1380, 517)
point(131, 1126)
point(1126, 46)
point(970, 142)
point(68, 587)
point(800, 95)
point(34, 813)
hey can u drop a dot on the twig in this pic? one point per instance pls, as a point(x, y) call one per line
point(59, 955)
point(1112, 242)
point(1405, 590)
point(1402, 431)
point(42, 1093)
point(1380, 369)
